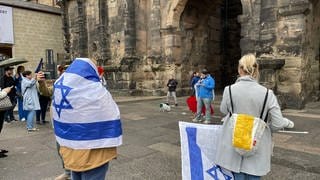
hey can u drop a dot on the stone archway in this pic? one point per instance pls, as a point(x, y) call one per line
point(196, 36)
point(175, 10)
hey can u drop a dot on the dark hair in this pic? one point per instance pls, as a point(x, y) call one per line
point(205, 71)
point(19, 69)
point(26, 73)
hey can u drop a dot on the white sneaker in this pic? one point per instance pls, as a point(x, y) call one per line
point(63, 177)
point(23, 119)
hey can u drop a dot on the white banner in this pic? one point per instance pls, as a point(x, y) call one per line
point(6, 25)
point(198, 148)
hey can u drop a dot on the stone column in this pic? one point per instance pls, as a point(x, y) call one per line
point(130, 29)
point(292, 45)
point(154, 27)
point(83, 34)
point(250, 25)
point(65, 25)
point(104, 39)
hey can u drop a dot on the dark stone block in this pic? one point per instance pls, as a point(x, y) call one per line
point(287, 100)
point(270, 63)
point(247, 45)
point(294, 9)
point(268, 15)
point(269, 3)
point(133, 85)
point(292, 49)
point(293, 40)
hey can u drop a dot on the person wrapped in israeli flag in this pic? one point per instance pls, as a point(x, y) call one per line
point(86, 121)
point(198, 152)
point(84, 114)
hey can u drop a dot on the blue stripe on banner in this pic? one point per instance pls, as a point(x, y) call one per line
point(88, 131)
point(83, 69)
point(196, 167)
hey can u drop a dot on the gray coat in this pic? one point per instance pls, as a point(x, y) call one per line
point(248, 97)
point(30, 94)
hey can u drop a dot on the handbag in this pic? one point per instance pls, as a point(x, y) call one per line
point(247, 129)
point(5, 104)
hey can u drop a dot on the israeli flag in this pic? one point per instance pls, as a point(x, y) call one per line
point(198, 148)
point(84, 114)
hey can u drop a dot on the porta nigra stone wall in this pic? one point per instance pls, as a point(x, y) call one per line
point(141, 43)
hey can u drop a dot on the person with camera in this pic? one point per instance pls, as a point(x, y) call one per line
point(30, 98)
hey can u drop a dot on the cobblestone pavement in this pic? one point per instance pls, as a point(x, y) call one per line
point(151, 147)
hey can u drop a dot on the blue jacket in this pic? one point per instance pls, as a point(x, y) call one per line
point(205, 87)
point(194, 80)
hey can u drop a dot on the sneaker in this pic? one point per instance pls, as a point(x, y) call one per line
point(196, 119)
point(37, 122)
point(63, 177)
point(23, 119)
point(44, 122)
point(33, 129)
point(207, 122)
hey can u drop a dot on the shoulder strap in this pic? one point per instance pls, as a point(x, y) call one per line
point(231, 99)
point(25, 91)
point(264, 105)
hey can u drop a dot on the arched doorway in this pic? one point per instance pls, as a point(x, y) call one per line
point(210, 37)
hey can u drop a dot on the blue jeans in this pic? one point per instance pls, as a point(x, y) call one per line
point(22, 113)
point(93, 174)
point(30, 117)
point(207, 103)
point(244, 176)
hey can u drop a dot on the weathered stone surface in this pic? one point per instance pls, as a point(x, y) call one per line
point(152, 40)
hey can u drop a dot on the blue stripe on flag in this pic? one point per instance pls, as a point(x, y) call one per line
point(88, 131)
point(195, 156)
point(83, 69)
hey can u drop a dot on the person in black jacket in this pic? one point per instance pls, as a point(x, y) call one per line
point(172, 85)
point(7, 80)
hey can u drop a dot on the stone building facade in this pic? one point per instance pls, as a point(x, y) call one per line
point(37, 29)
point(142, 43)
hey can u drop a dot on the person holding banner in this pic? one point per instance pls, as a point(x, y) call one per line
point(86, 121)
point(249, 97)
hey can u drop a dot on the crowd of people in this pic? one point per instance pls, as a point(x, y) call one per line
point(86, 147)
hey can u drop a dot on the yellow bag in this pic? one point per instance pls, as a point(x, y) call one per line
point(247, 130)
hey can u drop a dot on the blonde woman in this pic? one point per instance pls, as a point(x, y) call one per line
point(248, 98)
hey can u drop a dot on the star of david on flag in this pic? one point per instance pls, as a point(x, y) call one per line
point(198, 148)
point(63, 102)
point(84, 113)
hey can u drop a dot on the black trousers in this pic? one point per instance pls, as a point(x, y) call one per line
point(44, 101)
